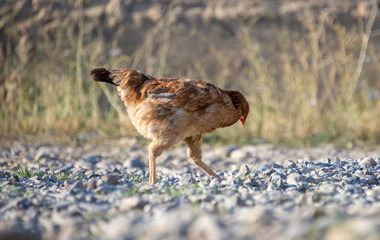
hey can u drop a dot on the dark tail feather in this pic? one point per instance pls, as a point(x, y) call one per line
point(102, 75)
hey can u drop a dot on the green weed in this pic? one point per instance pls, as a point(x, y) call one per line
point(131, 191)
point(174, 191)
point(23, 172)
point(247, 175)
point(136, 178)
point(63, 176)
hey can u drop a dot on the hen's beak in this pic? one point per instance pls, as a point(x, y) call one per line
point(242, 120)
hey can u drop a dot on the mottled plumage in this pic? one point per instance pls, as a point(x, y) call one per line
point(170, 110)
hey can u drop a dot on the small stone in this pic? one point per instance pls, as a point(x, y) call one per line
point(77, 185)
point(368, 160)
point(83, 164)
point(343, 163)
point(42, 153)
point(315, 197)
point(215, 182)
point(186, 178)
point(306, 170)
point(233, 201)
point(350, 188)
point(276, 181)
point(120, 227)
point(74, 210)
point(93, 158)
point(277, 166)
point(105, 189)
point(89, 161)
point(36, 179)
point(24, 203)
point(336, 160)
point(64, 169)
point(68, 182)
point(295, 179)
point(367, 172)
point(313, 166)
point(53, 188)
point(207, 226)
point(91, 184)
point(131, 203)
point(232, 180)
point(328, 188)
point(14, 178)
point(250, 183)
point(90, 198)
point(243, 171)
point(50, 178)
point(365, 165)
point(111, 179)
point(133, 163)
point(3, 164)
point(21, 233)
point(225, 151)
point(240, 154)
point(369, 179)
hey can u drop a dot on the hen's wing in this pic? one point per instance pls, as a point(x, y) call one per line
point(188, 94)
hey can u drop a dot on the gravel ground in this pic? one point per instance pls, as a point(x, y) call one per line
point(267, 192)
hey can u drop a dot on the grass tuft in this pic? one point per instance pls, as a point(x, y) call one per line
point(320, 85)
point(23, 172)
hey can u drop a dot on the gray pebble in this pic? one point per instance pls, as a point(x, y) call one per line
point(133, 163)
point(243, 171)
point(186, 179)
point(295, 179)
point(328, 188)
point(111, 179)
point(131, 203)
point(76, 185)
point(207, 227)
point(241, 154)
point(43, 153)
point(276, 181)
point(289, 164)
point(93, 195)
point(215, 182)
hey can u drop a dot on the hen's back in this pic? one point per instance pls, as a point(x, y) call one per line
point(180, 108)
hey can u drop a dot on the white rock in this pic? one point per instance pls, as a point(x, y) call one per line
point(368, 160)
point(131, 202)
point(207, 227)
point(295, 179)
point(133, 163)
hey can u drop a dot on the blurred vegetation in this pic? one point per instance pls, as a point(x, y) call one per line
point(322, 86)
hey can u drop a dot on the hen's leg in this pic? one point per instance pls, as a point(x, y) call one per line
point(194, 152)
point(155, 150)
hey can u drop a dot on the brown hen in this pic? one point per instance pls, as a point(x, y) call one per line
point(169, 110)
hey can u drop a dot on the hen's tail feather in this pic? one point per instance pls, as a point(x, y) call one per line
point(102, 75)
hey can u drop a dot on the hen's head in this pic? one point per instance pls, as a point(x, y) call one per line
point(241, 104)
point(244, 110)
point(245, 115)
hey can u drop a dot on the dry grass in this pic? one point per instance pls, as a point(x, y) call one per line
point(315, 90)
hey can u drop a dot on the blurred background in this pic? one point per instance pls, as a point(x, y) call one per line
point(310, 68)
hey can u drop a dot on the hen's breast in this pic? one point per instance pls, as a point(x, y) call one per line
point(158, 121)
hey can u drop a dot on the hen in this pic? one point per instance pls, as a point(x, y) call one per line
point(169, 110)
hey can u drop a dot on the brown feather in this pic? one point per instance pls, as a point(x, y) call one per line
point(170, 110)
